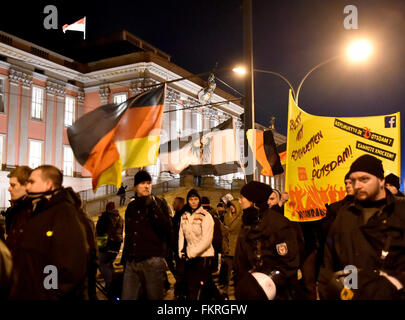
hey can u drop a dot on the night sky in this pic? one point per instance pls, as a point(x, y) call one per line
point(290, 37)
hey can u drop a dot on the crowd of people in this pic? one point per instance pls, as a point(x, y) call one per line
point(357, 251)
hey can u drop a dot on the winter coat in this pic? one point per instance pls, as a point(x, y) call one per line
point(351, 242)
point(111, 224)
point(16, 216)
point(6, 265)
point(52, 236)
point(267, 243)
point(231, 229)
point(197, 229)
point(148, 229)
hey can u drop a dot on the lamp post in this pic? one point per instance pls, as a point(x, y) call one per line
point(310, 71)
point(357, 51)
point(249, 116)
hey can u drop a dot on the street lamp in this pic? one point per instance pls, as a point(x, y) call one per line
point(357, 51)
point(242, 71)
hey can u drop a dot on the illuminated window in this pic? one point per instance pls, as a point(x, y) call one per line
point(120, 97)
point(69, 111)
point(37, 104)
point(35, 154)
point(68, 161)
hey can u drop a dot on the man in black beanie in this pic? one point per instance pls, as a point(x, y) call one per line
point(364, 257)
point(267, 244)
point(148, 233)
point(393, 184)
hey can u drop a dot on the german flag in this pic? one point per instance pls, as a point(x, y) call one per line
point(114, 137)
point(266, 152)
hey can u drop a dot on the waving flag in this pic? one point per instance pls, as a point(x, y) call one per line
point(208, 152)
point(79, 25)
point(267, 153)
point(115, 137)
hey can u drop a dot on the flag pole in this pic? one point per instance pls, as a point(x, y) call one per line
point(84, 36)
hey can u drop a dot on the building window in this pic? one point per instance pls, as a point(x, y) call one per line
point(68, 161)
point(2, 96)
point(120, 97)
point(179, 122)
point(35, 154)
point(69, 111)
point(37, 104)
point(1, 149)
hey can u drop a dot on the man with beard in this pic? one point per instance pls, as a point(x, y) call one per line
point(364, 255)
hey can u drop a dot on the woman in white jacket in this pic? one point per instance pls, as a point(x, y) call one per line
point(195, 246)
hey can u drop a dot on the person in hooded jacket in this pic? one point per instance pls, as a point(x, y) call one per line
point(267, 244)
point(110, 227)
point(195, 246)
point(51, 255)
point(231, 229)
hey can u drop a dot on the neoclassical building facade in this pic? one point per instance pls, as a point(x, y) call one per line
point(42, 93)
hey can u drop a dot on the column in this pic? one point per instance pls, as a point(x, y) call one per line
point(25, 117)
point(60, 103)
point(12, 119)
point(50, 115)
point(104, 94)
point(80, 101)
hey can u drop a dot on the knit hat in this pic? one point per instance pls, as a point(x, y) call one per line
point(256, 192)
point(347, 176)
point(205, 200)
point(393, 180)
point(369, 164)
point(142, 176)
point(255, 286)
point(193, 193)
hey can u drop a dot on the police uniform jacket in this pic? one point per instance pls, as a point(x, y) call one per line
point(267, 243)
point(373, 247)
point(52, 236)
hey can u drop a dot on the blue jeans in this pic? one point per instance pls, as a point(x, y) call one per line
point(146, 277)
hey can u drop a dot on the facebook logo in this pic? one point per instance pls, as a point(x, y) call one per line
point(391, 122)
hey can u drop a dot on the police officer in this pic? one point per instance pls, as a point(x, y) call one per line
point(365, 249)
point(267, 244)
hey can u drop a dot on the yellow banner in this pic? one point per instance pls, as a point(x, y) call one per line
point(320, 151)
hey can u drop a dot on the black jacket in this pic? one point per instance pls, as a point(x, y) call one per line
point(6, 265)
point(53, 235)
point(351, 242)
point(148, 229)
point(111, 224)
point(267, 242)
point(16, 216)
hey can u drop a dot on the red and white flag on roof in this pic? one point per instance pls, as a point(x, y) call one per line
point(79, 25)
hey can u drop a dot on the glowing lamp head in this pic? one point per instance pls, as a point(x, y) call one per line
point(239, 70)
point(360, 50)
